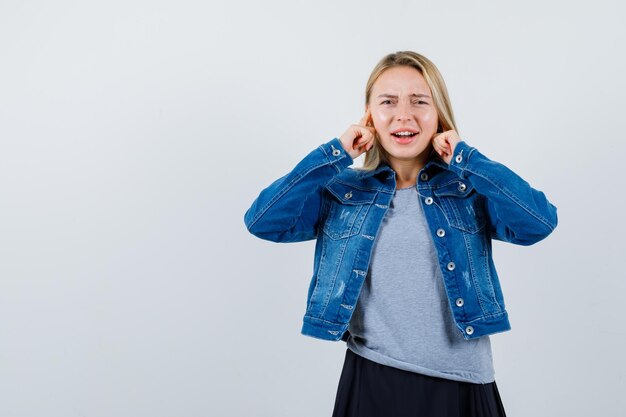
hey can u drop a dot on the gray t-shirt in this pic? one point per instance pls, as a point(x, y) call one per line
point(403, 318)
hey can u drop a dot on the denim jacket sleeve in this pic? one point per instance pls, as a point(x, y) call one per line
point(517, 212)
point(288, 209)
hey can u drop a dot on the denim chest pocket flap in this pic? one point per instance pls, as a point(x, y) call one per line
point(347, 207)
point(463, 206)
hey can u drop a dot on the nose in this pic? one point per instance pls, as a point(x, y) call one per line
point(404, 111)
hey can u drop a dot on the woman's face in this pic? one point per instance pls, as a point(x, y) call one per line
point(404, 114)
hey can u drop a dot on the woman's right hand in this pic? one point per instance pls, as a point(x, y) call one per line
point(360, 137)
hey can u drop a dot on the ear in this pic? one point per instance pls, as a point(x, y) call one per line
point(371, 120)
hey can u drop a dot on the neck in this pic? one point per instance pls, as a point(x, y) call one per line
point(407, 170)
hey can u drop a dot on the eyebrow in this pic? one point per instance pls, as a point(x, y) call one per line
point(394, 96)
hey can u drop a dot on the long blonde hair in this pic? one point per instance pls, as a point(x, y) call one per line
point(377, 155)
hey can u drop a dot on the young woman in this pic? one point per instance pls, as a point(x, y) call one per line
point(403, 268)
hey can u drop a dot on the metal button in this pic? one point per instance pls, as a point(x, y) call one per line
point(336, 152)
point(429, 200)
point(441, 232)
point(459, 302)
point(348, 194)
point(458, 159)
point(424, 176)
point(451, 266)
point(469, 330)
point(462, 187)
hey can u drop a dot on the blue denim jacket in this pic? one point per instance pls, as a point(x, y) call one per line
point(467, 204)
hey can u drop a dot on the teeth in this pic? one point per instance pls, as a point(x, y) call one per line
point(404, 134)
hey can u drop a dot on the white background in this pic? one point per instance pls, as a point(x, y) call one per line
point(134, 135)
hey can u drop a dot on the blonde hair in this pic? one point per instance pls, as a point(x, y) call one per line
point(377, 155)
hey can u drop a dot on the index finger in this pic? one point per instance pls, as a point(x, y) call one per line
point(365, 119)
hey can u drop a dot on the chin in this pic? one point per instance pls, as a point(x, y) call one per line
point(406, 156)
point(405, 150)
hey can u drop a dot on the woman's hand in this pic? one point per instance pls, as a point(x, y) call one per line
point(444, 144)
point(360, 137)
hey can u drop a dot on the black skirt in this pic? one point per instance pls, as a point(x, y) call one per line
point(370, 389)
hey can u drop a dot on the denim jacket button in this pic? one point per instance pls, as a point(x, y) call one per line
point(424, 176)
point(462, 187)
point(451, 266)
point(429, 200)
point(458, 159)
point(441, 232)
point(469, 330)
point(336, 152)
point(348, 195)
point(459, 302)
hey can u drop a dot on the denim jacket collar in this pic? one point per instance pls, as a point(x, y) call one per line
point(434, 160)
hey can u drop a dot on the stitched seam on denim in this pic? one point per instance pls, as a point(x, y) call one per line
point(313, 318)
point(445, 215)
point(379, 189)
point(457, 216)
point(510, 195)
point(473, 272)
point(493, 299)
point(355, 186)
point(355, 202)
point(502, 314)
point(364, 216)
point(425, 196)
point(316, 276)
point(452, 181)
point(335, 159)
point(469, 154)
point(341, 155)
point(461, 166)
point(285, 189)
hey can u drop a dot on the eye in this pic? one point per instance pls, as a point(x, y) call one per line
point(386, 102)
point(420, 102)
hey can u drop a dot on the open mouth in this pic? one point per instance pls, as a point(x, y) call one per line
point(403, 137)
point(404, 134)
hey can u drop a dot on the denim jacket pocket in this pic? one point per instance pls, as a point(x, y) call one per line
point(462, 205)
point(346, 208)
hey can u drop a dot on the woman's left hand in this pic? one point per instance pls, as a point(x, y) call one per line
point(444, 144)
